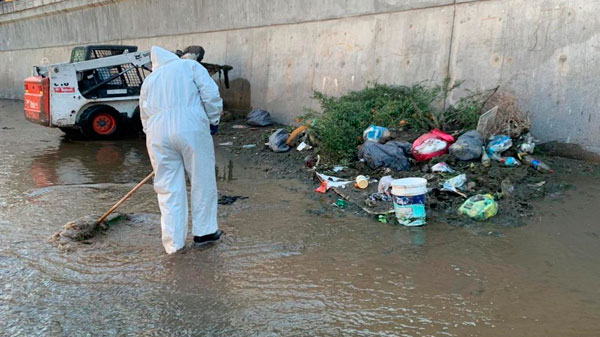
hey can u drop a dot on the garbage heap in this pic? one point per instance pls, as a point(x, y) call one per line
point(468, 178)
point(410, 179)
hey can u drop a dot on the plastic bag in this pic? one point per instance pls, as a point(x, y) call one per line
point(277, 140)
point(385, 184)
point(431, 145)
point(442, 167)
point(497, 145)
point(467, 146)
point(391, 154)
point(259, 117)
point(479, 207)
point(376, 133)
point(455, 184)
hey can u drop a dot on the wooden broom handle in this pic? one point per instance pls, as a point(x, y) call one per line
point(129, 194)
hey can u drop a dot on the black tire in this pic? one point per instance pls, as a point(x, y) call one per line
point(72, 133)
point(136, 121)
point(101, 122)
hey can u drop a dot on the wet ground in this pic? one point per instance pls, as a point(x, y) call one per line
point(288, 264)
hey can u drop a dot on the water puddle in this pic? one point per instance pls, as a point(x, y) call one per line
point(287, 264)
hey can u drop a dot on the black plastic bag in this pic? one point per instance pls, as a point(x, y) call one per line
point(392, 155)
point(468, 146)
point(277, 140)
point(259, 117)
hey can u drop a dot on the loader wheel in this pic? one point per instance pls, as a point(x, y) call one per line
point(136, 121)
point(74, 134)
point(100, 123)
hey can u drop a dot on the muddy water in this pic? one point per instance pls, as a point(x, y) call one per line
point(285, 267)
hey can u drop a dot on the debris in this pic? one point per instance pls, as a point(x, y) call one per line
point(455, 184)
point(431, 145)
point(540, 184)
point(382, 218)
point(391, 155)
point(303, 146)
point(295, 135)
point(409, 200)
point(310, 161)
point(329, 182)
point(497, 145)
point(486, 120)
point(277, 141)
point(238, 126)
point(507, 119)
point(338, 168)
point(528, 144)
point(259, 117)
point(230, 199)
point(341, 203)
point(506, 187)
point(371, 202)
point(485, 159)
point(510, 161)
point(84, 228)
point(322, 188)
point(380, 197)
point(467, 146)
point(385, 184)
point(471, 185)
point(536, 164)
point(442, 167)
point(479, 207)
point(248, 146)
point(362, 182)
point(377, 134)
point(226, 144)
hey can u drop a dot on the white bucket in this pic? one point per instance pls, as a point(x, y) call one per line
point(409, 200)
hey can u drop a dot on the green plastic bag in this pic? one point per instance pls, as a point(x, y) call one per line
point(479, 207)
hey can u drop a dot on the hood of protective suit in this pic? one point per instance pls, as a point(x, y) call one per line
point(160, 57)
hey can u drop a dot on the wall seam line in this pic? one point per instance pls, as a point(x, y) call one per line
point(451, 45)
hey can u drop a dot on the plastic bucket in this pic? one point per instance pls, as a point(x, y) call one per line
point(409, 200)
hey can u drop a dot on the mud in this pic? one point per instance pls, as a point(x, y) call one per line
point(84, 229)
point(290, 263)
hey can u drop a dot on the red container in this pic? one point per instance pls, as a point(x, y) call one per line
point(37, 100)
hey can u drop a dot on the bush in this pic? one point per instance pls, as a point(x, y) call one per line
point(338, 129)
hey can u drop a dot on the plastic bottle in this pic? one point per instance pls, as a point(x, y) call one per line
point(528, 144)
point(509, 161)
point(536, 164)
point(507, 187)
point(485, 159)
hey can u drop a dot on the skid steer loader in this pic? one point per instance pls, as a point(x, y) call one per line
point(96, 94)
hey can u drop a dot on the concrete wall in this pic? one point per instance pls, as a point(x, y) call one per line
point(544, 51)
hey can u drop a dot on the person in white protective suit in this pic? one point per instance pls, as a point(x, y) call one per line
point(179, 106)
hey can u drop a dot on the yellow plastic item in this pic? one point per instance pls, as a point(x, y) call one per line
point(479, 207)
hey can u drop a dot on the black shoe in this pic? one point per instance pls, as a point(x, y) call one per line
point(209, 237)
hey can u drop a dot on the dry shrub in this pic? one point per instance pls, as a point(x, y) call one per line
point(509, 119)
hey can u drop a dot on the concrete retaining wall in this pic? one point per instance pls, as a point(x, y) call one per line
point(544, 51)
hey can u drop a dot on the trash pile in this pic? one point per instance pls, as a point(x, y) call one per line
point(461, 178)
point(458, 177)
point(399, 176)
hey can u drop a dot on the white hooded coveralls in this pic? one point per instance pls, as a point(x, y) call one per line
point(178, 101)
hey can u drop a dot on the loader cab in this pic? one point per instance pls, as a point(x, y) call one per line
point(123, 80)
point(85, 53)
